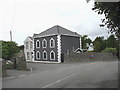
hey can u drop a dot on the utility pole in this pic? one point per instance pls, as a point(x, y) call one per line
point(87, 1)
point(10, 35)
point(13, 19)
point(119, 47)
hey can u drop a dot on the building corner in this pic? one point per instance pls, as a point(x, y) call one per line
point(59, 48)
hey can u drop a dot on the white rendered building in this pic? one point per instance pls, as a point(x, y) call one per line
point(28, 49)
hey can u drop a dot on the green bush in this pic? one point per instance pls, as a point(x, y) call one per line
point(109, 50)
point(8, 49)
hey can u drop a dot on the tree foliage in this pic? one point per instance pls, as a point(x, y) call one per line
point(85, 40)
point(9, 48)
point(21, 47)
point(112, 16)
point(99, 44)
point(111, 42)
point(109, 50)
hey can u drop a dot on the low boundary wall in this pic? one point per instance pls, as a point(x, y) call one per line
point(89, 56)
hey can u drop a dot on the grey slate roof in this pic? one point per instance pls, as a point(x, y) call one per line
point(30, 37)
point(56, 30)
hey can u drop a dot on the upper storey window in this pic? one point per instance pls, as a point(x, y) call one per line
point(31, 45)
point(44, 43)
point(52, 43)
point(27, 45)
point(37, 44)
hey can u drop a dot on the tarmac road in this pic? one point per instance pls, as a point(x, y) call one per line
point(77, 75)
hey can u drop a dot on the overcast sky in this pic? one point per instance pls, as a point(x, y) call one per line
point(26, 17)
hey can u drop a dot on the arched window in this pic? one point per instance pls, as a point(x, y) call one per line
point(52, 43)
point(37, 44)
point(37, 55)
point(52, 55)
point(44, 55)
point(44, 43)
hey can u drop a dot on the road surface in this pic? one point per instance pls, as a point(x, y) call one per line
point(77, 75)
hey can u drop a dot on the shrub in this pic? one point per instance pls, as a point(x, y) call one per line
point(109, 50)
point(9, 48)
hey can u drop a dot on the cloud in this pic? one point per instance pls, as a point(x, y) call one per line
point(25, 17)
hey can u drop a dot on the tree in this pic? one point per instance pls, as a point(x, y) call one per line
point(99, 44)
point(111, 11)
point(9, 48)
point(112, 16)
point(85, 40)
point(21, 47)
point(112, 42)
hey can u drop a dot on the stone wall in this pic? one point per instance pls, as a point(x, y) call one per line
point(19, 60)
point(3, 68)
point(0, 67)
point(88, 57)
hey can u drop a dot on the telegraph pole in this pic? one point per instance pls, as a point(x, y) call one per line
point(13, 19)
point(10, 35)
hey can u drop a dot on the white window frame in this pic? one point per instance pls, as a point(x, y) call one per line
point(53, 43)
point(36, 44)
point(43, 55)
point(45, 43)
point(39, 55)
point(27, 45)
point(50, 55)
point(31, 45)
point(28, 55)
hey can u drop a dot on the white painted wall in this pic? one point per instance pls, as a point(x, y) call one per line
point(90, 47)
point(30, 50)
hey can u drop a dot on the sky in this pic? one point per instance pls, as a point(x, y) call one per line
point(26, 17)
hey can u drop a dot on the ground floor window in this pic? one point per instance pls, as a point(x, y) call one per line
point(52, 55)
point(37, 55)
point(44, 55)
point(28, 55)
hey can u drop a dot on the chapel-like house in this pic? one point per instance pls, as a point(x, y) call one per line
point(51, 44)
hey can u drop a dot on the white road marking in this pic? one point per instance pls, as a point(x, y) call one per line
point(9, 77)
point(21, 75)
point(58, 81)
point(14, 77)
